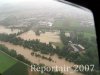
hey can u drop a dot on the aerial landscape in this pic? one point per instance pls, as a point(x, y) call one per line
point(47, 33)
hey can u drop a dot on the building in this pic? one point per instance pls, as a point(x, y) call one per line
point(75, 47)
point(44, 23)
point(80, 47)
point(67, 34)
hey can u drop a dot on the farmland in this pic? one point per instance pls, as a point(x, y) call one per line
point(5, 62)
point(10, 66)
point(15, 70)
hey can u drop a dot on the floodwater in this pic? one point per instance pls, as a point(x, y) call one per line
point(44, 37)
point(27, 54)
point(8, 31)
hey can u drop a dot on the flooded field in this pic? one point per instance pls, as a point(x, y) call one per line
point(27, 54)
point(8, 31)
point(44, 37)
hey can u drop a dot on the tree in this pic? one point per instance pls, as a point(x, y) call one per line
point(63, 38)
point(13, 53)
point(37, 33)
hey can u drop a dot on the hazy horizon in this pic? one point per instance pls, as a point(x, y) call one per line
point(42, 7)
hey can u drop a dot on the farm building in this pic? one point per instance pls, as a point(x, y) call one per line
point(44, 23)
point(75, 47)
point(80, 47)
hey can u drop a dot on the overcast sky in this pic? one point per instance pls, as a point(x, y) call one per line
point(39, 3)
point(18, 1)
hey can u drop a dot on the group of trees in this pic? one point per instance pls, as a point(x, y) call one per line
point(37, 32)
point(35, 45)
point(41, 56)
point(90, 56)
point(63, 38)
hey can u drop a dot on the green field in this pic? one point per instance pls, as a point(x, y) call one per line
point(18, 69)
point(9, 66)
point(5, 62)
point(89, 35)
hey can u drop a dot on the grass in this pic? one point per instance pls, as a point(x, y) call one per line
point(88, 35)
point(9, 66)
point(6, 62)
point(18, 69)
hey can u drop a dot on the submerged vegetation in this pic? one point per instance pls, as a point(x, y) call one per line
point(76, 57)
point(22, 66)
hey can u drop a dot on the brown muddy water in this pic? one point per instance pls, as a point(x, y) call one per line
point(44, 37)
point(27, 54)
point(8, 31)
